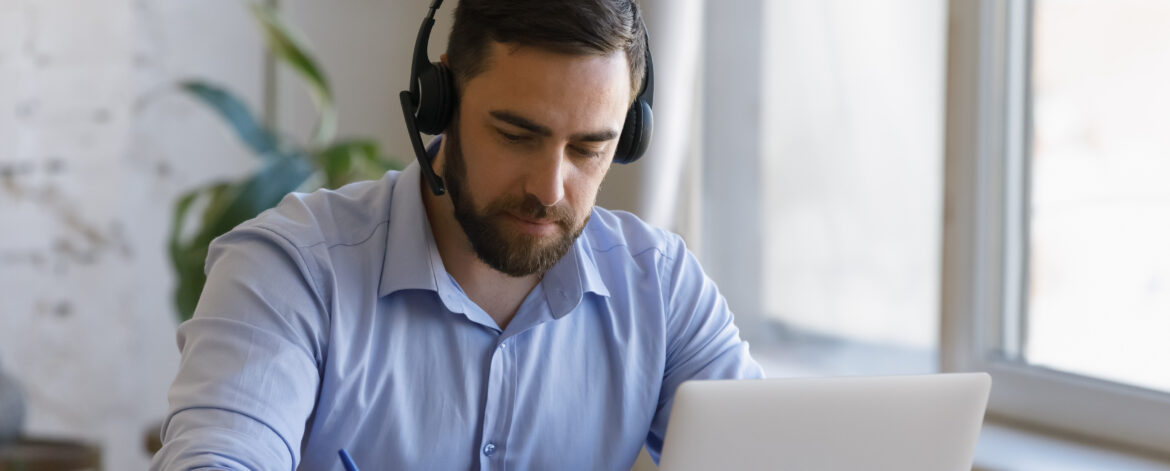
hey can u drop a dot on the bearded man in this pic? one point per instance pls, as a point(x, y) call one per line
point(475, 310)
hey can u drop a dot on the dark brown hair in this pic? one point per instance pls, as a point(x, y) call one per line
point(584, 27)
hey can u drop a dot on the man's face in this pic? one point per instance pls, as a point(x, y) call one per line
point(531, 143)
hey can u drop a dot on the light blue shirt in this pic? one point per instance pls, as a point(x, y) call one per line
point(330, 322)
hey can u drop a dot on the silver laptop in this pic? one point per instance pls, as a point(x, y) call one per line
point(904, 423)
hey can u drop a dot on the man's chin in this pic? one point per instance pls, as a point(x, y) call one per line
point(523, 249)
point(520, 242)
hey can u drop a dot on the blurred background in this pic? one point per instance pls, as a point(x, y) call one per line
point(816, 155)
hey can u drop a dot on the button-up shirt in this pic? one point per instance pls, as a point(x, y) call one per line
point(330, 322)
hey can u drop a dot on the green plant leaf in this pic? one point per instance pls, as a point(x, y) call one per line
point(288, 46)
point(286, 167)
point(177, 220)
point(189, 253)
point(180, 257)
point(375, 164)
point(259, 138)
point(228, 205)
point(339, 160)
point(261, 191)
point(190, 279)
point(353, 160)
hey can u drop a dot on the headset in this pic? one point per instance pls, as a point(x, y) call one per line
point(431, 100)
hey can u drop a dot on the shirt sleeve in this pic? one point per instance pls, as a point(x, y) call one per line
point(248, 376)
point(702, 339)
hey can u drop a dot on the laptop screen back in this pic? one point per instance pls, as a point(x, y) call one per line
point(906, 423)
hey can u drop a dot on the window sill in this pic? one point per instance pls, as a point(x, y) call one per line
point(1001, 447)
point(1004, 447)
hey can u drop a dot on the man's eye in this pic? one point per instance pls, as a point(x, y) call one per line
point(583, 152)
point(512, 137)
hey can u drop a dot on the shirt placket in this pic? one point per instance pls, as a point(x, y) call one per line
point(501, 391)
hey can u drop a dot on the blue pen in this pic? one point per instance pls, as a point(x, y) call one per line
point(346, 460)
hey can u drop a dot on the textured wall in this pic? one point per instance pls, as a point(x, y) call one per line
point(366, 47)
point(96, 144)
point(94, 147)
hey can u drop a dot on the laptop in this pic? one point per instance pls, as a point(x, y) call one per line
point(904, 423)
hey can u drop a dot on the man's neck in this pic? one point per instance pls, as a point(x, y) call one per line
point(493, 291)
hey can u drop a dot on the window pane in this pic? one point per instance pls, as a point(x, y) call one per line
point(1099, 294)
point(852, 118)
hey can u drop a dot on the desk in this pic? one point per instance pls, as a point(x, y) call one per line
point(30, 454)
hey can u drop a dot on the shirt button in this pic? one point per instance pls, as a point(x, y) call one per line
point(489, 449)
point(503, 345)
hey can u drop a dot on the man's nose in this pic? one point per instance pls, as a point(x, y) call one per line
point(546, 181)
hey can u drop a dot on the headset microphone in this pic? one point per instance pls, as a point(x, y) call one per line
point(416, 102)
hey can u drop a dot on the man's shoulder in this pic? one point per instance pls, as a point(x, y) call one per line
point(344, 216)
point(624, 233)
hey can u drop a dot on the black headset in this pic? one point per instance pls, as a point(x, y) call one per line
point(431, 100)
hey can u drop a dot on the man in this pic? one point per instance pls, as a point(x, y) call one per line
point(506, 324)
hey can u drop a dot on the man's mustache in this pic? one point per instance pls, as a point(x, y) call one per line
point(529, 206)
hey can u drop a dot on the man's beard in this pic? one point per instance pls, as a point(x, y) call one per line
point(508, 251)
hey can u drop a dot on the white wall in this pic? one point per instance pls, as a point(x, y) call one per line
point(365, 47)
point(94, 146)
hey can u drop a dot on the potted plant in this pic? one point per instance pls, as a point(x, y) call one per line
point(210, 210)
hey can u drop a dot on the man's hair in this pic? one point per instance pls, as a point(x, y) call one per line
point(579, 27)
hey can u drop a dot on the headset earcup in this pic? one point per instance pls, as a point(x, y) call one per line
point(436, 99)
point(635, 137)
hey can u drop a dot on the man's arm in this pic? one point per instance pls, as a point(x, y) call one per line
point(248, 377)
point(702, 340)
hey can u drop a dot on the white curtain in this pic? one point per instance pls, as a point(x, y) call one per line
point(651, 187)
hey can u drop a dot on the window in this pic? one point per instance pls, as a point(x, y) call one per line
point(1099, 191)
point(1056, 271)
point(821, 221)
point(852, 112)
point(823, 180)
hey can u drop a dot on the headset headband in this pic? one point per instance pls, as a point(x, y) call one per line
point(429, 103)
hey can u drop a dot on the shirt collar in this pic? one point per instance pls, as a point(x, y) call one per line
point(412, 259)
point(570, 278)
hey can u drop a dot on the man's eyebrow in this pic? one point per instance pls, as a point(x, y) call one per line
point(598, 136)
point(530, 126)
point(521, 122)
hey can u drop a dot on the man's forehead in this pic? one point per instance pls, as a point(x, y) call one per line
point(512, 54)
point(545, 91)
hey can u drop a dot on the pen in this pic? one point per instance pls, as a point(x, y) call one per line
point(346, 460)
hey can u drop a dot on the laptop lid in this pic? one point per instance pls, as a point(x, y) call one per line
point(905, 423)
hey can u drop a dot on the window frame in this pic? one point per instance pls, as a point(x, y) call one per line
point(985, 228)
